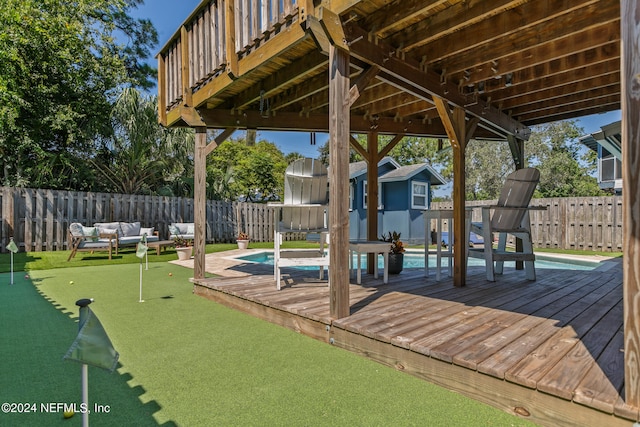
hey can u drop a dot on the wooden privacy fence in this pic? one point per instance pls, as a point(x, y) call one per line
point(39, 219)
point(581, 223)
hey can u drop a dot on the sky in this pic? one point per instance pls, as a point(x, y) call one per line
point(168, 15)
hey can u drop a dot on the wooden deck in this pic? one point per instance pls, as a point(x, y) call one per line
point(550, 351)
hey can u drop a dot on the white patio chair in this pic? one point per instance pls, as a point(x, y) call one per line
point(510, 216)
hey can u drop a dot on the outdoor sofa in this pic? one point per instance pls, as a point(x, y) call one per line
point(186, 230)
point(88, 239)
point(127, 233)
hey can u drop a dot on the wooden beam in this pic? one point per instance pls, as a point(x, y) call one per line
point(333, 28)
point(191, 117)
point(385, 150)
point(339, 182)
point(425, 84)
point(630, 70)
point(199, 202)
point(186, 84)
point(372, 195)
point(219, 139)
point(359, 148)
point(162, 91)
point(454, 123)
point(230, 29)
point(362, 82)
point(319, 122)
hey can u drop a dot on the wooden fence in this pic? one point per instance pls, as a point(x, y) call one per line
point(38, 219)
point(581, 223)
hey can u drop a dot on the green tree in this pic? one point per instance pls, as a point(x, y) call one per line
point(487, 165)
point(142, 156)
point(555, 150)
point(236, 170)
point(61, 65)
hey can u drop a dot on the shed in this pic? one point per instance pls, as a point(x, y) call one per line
point(403, 193)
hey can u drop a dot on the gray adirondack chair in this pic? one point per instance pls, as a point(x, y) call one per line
point(510, 216)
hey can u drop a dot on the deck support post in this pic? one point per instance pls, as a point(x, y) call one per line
point(339, 130)
point(199, 201)
point(630, 81)
point(517, 153)
point(459, 132)
point(372, 195)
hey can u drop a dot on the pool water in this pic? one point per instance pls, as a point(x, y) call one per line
point(416, 260)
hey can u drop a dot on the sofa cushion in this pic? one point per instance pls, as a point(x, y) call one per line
point(108, 226)
point(174, 230)
point(130, 228)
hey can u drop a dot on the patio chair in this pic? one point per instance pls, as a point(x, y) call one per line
point(88, 239)
point(510, 216)
point(304, 211)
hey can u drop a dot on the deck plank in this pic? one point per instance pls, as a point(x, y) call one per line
point(560, 336)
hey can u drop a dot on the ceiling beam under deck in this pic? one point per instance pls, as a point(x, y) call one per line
point(551, 99)
point(426, 84)
point(273, 84)
point(458, 16)
point(510, 31)
point(510, 60)
point(571, 115)
point(582, 65)
point(391, 16)
point(604, 76)
point(250, 119)
point(553, 113)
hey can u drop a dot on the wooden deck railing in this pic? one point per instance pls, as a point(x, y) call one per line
point(212, 40)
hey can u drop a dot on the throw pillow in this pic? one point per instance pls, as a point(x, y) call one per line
point(91, 233)
point(191, 229)
point(75, 229)
point(173, 230)
point(148, 231)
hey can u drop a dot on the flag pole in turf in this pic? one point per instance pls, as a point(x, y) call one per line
point(12, 248)
point(141, 252)
point(92, 346)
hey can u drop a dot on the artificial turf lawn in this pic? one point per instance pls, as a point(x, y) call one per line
point(188, 361)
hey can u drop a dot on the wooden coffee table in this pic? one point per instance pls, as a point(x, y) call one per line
point(158, 245)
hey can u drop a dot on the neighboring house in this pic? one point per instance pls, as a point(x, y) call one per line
point(608, 144)
point(403, 193)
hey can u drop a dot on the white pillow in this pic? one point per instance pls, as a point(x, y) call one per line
point(191, 229)
point(148, 231)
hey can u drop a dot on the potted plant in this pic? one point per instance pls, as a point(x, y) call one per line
point(183, 247)
point(243, 240)
point(396, 252)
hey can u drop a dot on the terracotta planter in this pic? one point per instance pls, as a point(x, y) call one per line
point(243, 244)
point(184, 253)
point(395, 263)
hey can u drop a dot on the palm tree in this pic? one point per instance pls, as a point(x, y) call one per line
point(142, 156)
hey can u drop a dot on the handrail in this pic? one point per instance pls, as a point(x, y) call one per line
point(211, 41)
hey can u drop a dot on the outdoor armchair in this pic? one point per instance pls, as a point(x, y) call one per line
point(510, 216)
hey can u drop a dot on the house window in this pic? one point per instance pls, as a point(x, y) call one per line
point(418, 195)
point(364, 195)
point(610, 167)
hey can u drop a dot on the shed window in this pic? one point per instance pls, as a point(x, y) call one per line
point(364, 195)
point(419, 195)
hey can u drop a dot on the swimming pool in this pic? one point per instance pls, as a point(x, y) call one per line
point(416, 260)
